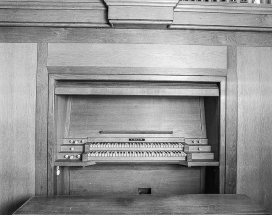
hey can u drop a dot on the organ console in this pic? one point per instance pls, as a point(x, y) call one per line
point(184, 151)
point(119, 130)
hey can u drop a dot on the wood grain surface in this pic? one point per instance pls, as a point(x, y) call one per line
point(17, 124)
point(137, 55)
point(143, 204)
point(231, 121)
point(255, 124)
point(54, 13)
point(41, 121)
point(222, 19)
point(144, 36)
point(136, 89)
point(96, 113)
point(135, 70)
point(162, 181)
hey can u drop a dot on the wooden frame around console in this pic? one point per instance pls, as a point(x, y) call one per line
point(53, 78)
point(185, 37)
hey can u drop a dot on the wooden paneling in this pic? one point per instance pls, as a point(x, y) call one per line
point(255, 124)
point(17, 124)
point(231, 121)
point(162, 179)
point(49, 16)
point(41, 122)
point(136, 89)
point(145, 36)
point(222, 19)
point(136, 70)
point(137, 55)
point(95, 113)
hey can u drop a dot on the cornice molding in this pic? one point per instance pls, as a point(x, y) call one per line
point(23, 5)
point(222, 16)
point(54, 14)
point(221, 7)
point(138, 14)
point(158, 3)
point(141, 12)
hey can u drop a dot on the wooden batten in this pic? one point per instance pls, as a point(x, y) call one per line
point(137, 89)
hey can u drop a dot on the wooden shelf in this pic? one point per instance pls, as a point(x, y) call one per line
point(73, 163)
point(136, 88)
point(199, 163)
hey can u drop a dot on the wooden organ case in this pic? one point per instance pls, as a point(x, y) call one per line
point(131, 137)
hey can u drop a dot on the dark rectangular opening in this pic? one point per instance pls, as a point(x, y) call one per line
point(144, 191)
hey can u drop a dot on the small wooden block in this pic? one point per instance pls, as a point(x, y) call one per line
point(197, 148)
point(200, 156)
point(199, 163)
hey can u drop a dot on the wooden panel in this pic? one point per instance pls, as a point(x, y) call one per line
point(96, 113)
point(255, 124)
point(17, 124)
point(222, 137)
point(140, 13)
point(51, 140)
point(136, 78)
point(137, 55)
point(136, 89)
point(145, 36)
point(231, 122)
point(136, 70)
point(161, 181)
point(54, 13)
point(144, 204)
point(41, 122)
point(49, 16)
point(222, 19)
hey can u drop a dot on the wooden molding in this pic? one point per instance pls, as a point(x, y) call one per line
point(56, 14)
point(222, 16)
point(150, 14)
point(141, 12)
point(149, 3)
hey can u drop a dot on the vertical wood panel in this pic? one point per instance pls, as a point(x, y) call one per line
point(231, 122)
point(17, 124)
point(222, 150)
point(52, 139)
point(41, 122)
point(255, 124)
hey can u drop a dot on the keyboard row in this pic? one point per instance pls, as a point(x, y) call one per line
point(136, 145)
point(136, 154)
